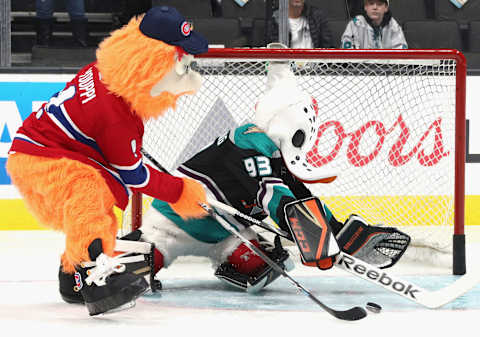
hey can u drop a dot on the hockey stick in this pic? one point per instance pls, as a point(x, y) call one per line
point(429, 299)
point(233, 211)
point(153, 160)
point(351, 314)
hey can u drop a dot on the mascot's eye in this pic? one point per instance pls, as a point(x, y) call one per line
point(298, 138)
point(187, 69)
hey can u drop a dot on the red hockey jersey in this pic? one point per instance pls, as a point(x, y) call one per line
point(88, 123)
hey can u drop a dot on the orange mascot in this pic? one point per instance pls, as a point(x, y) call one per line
point(79, 154)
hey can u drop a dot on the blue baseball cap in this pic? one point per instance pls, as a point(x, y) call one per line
point(166, 24)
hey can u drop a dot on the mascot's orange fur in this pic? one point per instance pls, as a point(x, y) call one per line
point(64, 189)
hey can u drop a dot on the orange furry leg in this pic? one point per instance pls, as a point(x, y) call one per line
point(70, 196)
point(187, 205)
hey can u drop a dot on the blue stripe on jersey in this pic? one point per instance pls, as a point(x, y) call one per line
point(136, 177)
point(114, 175)
point(24, 138)
point(58, 113)
point(246, 138)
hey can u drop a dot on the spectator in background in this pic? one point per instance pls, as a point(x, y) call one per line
point(308, 26)
point(374, 29)
point(78, 20)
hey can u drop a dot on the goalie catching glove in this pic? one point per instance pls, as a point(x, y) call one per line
point(378, 246)
point(318, 246)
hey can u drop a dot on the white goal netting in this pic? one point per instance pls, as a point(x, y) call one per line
point(388, 127)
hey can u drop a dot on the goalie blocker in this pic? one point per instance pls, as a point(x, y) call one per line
point(319, 246)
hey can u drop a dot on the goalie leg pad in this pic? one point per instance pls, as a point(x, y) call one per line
point(376, 245)
point(261, 277)
point(312, 233)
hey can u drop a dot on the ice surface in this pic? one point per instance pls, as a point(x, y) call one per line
point(194, 302)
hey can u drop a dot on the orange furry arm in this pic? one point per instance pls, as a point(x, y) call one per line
point(187, 205)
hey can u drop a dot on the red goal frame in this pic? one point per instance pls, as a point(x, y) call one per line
point(459, 267)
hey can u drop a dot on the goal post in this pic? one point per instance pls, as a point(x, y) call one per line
point(392, 123)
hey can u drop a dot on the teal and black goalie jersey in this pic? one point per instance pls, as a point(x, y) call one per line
point(244, 168)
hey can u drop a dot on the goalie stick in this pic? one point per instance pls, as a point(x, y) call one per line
point(395, 284)
point(352, 314)
point(407, 289)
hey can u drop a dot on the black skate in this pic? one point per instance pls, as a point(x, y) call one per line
point(105, 285)
point(68, 287)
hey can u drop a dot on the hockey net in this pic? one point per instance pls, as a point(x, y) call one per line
point(393, 126)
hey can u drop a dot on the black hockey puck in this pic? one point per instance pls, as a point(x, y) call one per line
point(374, 307)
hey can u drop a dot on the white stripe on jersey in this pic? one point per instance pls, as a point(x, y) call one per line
point(73, 125)
point(28, 139)
point(214, 188)
point(128, 168)
point(267, 186)
point(116, 175)
point(58, 123)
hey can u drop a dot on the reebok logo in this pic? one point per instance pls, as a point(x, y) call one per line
point(381, 278)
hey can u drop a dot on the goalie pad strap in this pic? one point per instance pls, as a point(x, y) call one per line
point(323, 264)
point(133, 246)
point(141, 257)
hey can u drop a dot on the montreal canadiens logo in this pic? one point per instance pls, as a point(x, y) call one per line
point(186, 28)
point(78, 282)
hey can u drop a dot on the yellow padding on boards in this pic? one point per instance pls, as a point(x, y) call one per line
point(426, 210)
point(15, 216)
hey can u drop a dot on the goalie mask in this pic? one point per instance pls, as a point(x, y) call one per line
point(289, 117)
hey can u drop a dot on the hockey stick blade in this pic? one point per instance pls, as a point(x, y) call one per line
point(352, 314)
point(429, 299)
